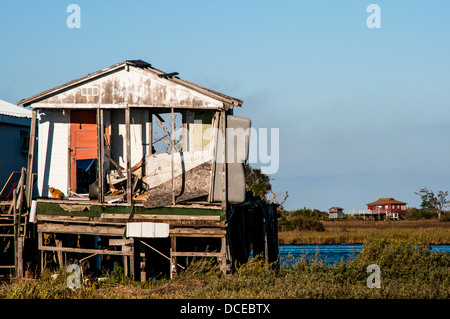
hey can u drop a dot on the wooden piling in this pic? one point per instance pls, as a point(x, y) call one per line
point(29, 182)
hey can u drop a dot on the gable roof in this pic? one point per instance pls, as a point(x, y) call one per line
point(386, 201)
point(228, 101)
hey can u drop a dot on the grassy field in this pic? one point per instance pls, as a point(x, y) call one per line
point(356, 232)
point(408, 270)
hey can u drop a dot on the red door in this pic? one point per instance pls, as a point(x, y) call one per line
point(83, 146)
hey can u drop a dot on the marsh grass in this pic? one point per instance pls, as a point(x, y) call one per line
point(408, 270)
point(357, 232)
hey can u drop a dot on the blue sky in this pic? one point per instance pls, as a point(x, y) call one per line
point(363, 113)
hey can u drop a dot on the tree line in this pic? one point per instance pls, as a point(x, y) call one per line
point(433, 204)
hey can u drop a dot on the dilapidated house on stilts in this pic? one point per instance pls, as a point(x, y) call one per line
point(139, 167)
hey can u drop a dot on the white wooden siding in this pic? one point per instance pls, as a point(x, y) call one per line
point(53, 140)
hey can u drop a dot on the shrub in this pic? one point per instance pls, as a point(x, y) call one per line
point(301, 223)
point(302, 219)
point(445, 216)
point(419, 213)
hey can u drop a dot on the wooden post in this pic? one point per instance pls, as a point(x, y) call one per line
point(41, 255)
point(20, 197)
point(266, 242)
point(20, 190)
point(59, 253)
point(29, 183)
point(215, 126)
point(173, 259)
point(128, 157)
point(150, 133)
point(16, 229)
point(143, 263)
point(19, 265)
point(223, 126)
point(100, 156)
point(172, 144)
point(223, 250)
point(132, 261)
point(184, 133)
point(171, 264)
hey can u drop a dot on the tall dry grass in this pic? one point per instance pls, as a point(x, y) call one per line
point(408, 270)
point(357, 232)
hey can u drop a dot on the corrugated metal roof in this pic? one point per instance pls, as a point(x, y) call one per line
point(10, 109)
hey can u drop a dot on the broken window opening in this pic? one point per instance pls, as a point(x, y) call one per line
point(162, 135)
point(86, 174)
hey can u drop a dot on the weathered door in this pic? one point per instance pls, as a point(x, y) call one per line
point(83, 147)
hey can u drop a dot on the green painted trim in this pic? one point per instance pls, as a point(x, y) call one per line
point(43, 208)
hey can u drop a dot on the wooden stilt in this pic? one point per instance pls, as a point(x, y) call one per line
point(41, 255)
point(19, 271)
point(223, 259)
point(59, 253)
point(173, 259)
point(132, 261)
point(29, 182)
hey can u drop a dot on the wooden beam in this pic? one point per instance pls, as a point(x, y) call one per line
point(29, 183)
point(81, 229)
point(196, 254)
point(161, 217)
point(200, 231)
point(86, 250)
point(128, 153)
